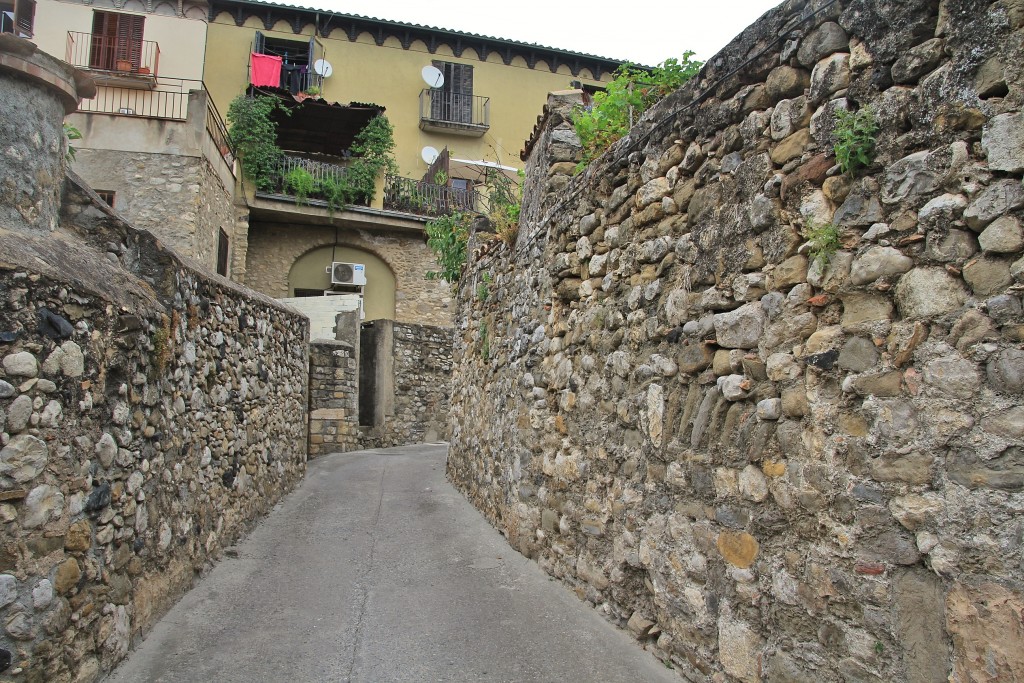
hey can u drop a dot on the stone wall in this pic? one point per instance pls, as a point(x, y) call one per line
point(768, 464)
point(168, 177)
point(150, 412)
point(413, 404)
point(333, 398)
point(176, 197)
point(273, 249)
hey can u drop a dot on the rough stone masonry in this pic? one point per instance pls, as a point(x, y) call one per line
point(149, 410)
point(770, 466)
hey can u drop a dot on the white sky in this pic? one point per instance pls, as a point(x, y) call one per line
point(640, 31)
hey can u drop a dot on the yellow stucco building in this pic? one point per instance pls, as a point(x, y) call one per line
point(154, 139)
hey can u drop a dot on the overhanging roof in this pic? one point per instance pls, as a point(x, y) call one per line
point(317, 126)
point(327, 22)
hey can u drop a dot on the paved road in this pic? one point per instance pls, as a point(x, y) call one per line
point(376, 569)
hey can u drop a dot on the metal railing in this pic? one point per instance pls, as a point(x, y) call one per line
point(427, 199)
point(218, 132)
point(453, 109)
point(119, 56)
point(324, 174)
point(168, 99)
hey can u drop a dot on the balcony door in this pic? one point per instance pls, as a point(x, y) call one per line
point(453, 101)
point(116, 41)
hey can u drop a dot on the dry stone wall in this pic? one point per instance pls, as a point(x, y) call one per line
point(767, 465)
point(149, 412)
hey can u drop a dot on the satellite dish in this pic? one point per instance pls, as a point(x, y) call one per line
point(322, 68)
point(429, 154)
point(433, 76)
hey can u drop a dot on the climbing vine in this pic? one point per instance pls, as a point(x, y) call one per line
point(254, 134)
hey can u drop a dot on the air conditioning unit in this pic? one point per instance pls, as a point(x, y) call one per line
point(347, 274)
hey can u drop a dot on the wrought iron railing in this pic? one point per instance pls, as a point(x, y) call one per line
point(453, 109)
point(218, 132)
point(318, 187)
point(117, 55)
point(168, 99)
point(427, 199)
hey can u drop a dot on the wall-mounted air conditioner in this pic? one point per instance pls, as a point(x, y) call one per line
point(347, 274)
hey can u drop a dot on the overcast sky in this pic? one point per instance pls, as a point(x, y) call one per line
point(641, 31)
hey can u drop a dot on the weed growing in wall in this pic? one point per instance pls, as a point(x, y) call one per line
point(632, 92)
point(448, 237)
point(855, 138)
point(824, 241)
point(71, 133)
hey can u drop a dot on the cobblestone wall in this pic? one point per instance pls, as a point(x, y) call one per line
point(333, 398)
point(769, 465)
point(149, 413)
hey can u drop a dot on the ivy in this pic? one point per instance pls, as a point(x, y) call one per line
point(632, 92)
point(254, 134)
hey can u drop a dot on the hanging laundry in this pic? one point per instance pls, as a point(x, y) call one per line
point(265, 70)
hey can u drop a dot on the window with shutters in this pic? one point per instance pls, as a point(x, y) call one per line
point(116, 42)
point(17, 17)
point(452, 107)
point(454, 100)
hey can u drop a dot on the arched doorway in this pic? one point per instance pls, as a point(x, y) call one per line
point(308, 277)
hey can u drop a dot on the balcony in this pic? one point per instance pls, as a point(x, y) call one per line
point(448, 112)
point(118, 61)
point(316, 190)
point(427, 199)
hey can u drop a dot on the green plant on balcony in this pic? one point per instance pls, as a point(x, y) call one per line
point(373, 152)
point(632, 92)
point(301, 184)
point(254, 135)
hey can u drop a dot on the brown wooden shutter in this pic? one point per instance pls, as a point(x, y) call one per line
point(24, 16)
point(116, 38)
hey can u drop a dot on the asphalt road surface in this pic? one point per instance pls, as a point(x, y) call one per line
point(377, 569)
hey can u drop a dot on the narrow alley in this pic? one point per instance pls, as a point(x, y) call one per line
point(376, 569)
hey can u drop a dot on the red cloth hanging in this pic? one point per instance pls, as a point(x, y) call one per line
point(265, 70)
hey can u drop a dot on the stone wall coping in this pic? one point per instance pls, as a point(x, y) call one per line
point(23, 57)
point(179, 260)
point(332, 343)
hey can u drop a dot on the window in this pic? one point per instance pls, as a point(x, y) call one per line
point(17, 17)
point(222, 253)
point(297, 59)
point(116, 42)
point(107, 196)
point(453, 101)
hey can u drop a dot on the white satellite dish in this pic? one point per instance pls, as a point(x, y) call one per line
point(322, 68)
point(433, 76)
point(429, 155)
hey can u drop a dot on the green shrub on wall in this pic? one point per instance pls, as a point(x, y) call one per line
point(632, 92)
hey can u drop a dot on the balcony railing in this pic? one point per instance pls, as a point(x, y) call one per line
point(427, 199)
point(455, 113)
point(167, 100)
point(324, 174)
point(115, 57)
